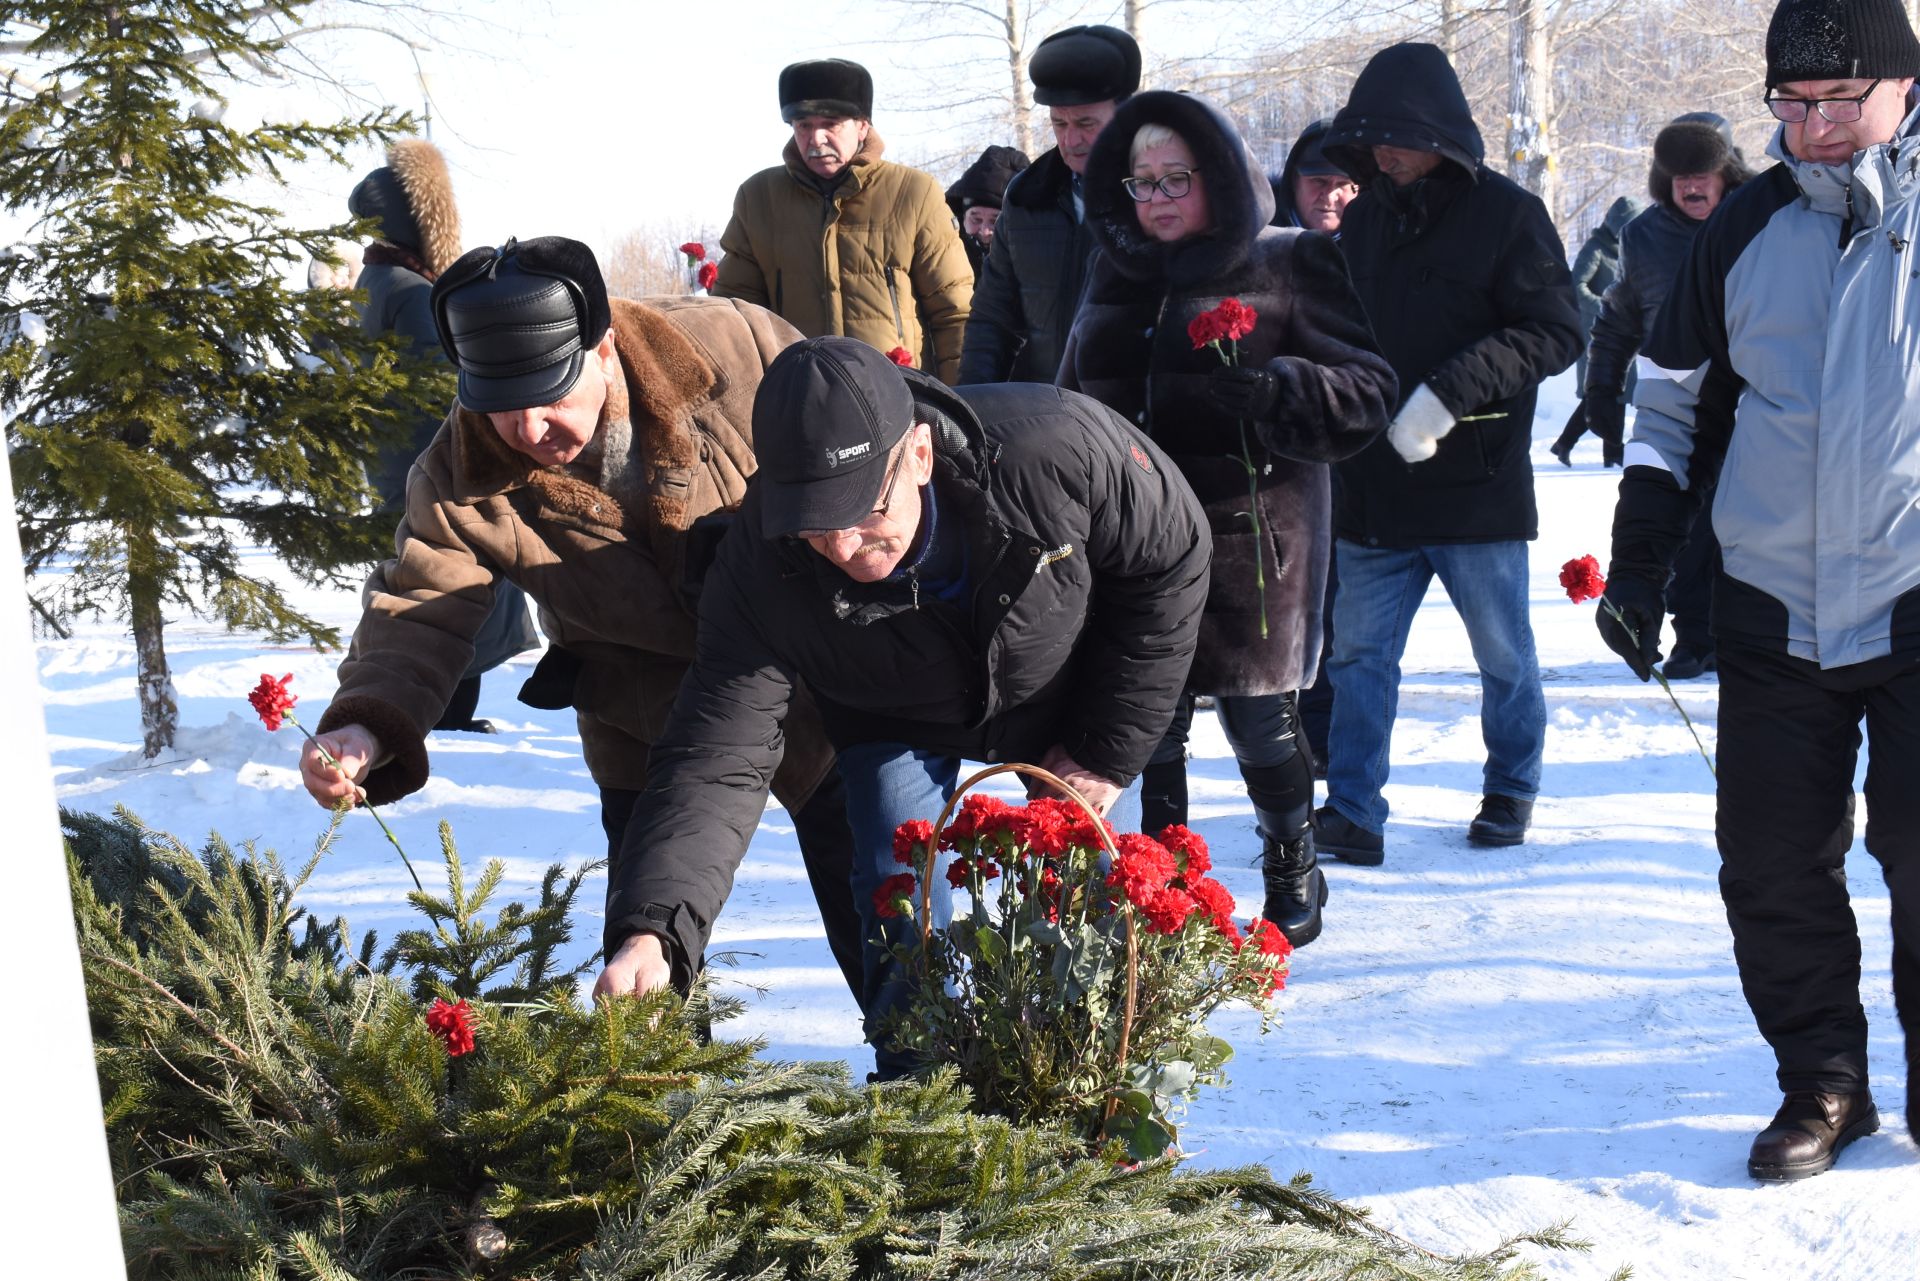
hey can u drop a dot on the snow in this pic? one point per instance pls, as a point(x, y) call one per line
point(1482, 1043)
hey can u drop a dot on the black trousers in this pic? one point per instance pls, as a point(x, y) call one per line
point(1789, 740)
point(826, 848)
point(1264, 732)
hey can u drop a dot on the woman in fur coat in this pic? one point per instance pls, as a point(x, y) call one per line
point(1179, 211)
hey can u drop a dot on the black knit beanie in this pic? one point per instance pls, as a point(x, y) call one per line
point(1840, 40)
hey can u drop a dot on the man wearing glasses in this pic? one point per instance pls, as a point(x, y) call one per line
point(1005, 573)
point(1788, 354)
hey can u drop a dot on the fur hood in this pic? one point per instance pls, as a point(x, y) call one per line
point(1238, 192)
point(410, 201)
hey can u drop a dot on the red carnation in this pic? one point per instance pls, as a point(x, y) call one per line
point(695, 252)
point(961, 868)
point(1189, 847)
point(272, 699)
point(1143, 868)
point(1266, 936)
point(1045, 827)
point(1216, 900)
point(1581, 577)
point(901, 356)
point(915, 833)
point(894, 897)
point(1231, 321)
point(707, 275)
point(1167, 911)
point(452, 1024)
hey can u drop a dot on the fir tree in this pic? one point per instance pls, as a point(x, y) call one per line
point(279, 1108)
point(185, 403)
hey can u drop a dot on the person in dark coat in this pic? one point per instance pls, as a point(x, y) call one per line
point(998, 573)
point(1597, 266)
point(1181, 216)
point(410, 201)
point(1024, 302)
point(1695, 166)
point(1312, 192)
point(1467, 286)
point(976, 196)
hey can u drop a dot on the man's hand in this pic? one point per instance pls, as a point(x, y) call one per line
point(1607, 419)
point(639, 967)
point(1101, 793)
point(1635, 634)
point(354, 747)
point(1420, 426)
point(1242, 391)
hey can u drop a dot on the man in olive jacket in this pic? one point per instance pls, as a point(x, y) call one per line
point(837, 240)
point(1008, 573)
point(574, 467)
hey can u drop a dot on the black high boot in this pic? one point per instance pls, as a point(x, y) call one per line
point(1296, 887)
point(1163, 795)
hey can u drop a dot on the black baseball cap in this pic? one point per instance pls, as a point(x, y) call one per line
point(518, 321)
point(827, 414)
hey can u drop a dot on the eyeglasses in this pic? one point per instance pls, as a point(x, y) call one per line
point(1838, 111)
point(1171, 185)
point(886, 501)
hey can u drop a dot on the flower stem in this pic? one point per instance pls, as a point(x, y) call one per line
point(1231, 359)
point(360, 794)
point(1661, 676)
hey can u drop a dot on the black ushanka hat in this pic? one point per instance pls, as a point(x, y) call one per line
point(518, 321)
point(826, 87)
point(1085, 64)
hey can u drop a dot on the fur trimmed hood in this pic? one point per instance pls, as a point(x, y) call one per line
point(411, 199)
point(1238, 193)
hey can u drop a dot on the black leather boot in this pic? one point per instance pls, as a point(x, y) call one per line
point(1296, 887)
point(1808, 1132)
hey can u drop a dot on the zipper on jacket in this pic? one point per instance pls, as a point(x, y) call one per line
point(893, 293)
point(1846, 223)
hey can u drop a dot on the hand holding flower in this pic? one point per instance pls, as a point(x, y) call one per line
point(353, 749)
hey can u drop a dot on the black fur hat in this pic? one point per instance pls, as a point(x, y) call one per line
point(1698, 142)
point(1085, 64)
point(826, 87)
point(985, 181)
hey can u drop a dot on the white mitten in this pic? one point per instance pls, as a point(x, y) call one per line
point(1420, 425)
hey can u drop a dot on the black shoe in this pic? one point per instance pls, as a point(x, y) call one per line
point(468, 727)
point(1502, 820)
point(1687, 664)
point(1296, 887)
point(1564, 455)
point(1808, 1132)
point(1346, 840)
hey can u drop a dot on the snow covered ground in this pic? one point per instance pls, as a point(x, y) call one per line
point(1480, 1044)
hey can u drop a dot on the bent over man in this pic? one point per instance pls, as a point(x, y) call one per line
point(1789, 356)
point(1005, 573)
point(588, 436)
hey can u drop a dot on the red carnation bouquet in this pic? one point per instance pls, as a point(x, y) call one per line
point(1077, 982)
point(701, 271)
point(1222, 328)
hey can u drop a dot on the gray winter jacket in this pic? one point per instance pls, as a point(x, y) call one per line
point(1791, 345)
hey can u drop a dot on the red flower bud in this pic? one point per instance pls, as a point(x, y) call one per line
point(901, 356)
point(708, 273)
point(695, 252)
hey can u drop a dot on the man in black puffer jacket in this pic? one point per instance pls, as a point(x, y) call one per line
point(1467, 286)
point(1023, 304)
point(1008, 573)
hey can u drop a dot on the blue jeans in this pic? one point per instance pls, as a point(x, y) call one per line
point(1380, 589)
point(887, 784)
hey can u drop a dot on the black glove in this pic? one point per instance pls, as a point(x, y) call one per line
point(1243, 392)
point(1635, 634)
point(1607, 419)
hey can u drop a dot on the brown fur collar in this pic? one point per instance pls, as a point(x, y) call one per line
point(866, 158)
point(666, 377)
point(423, 175)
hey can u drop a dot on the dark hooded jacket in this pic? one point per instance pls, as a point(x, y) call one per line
point(984, 183)
point(1086, 573)
point(417, 228)
point(1023, 304)
point(1597, 265)
point(1653, 247)
point(1306, 150)
point(1467, 285)
point(1130, 350)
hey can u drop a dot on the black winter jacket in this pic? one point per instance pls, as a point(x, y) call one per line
point(1651, 250)
point(1086, 575)
point(1023, 304)
point(1130, 351)
point(1467, 285)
